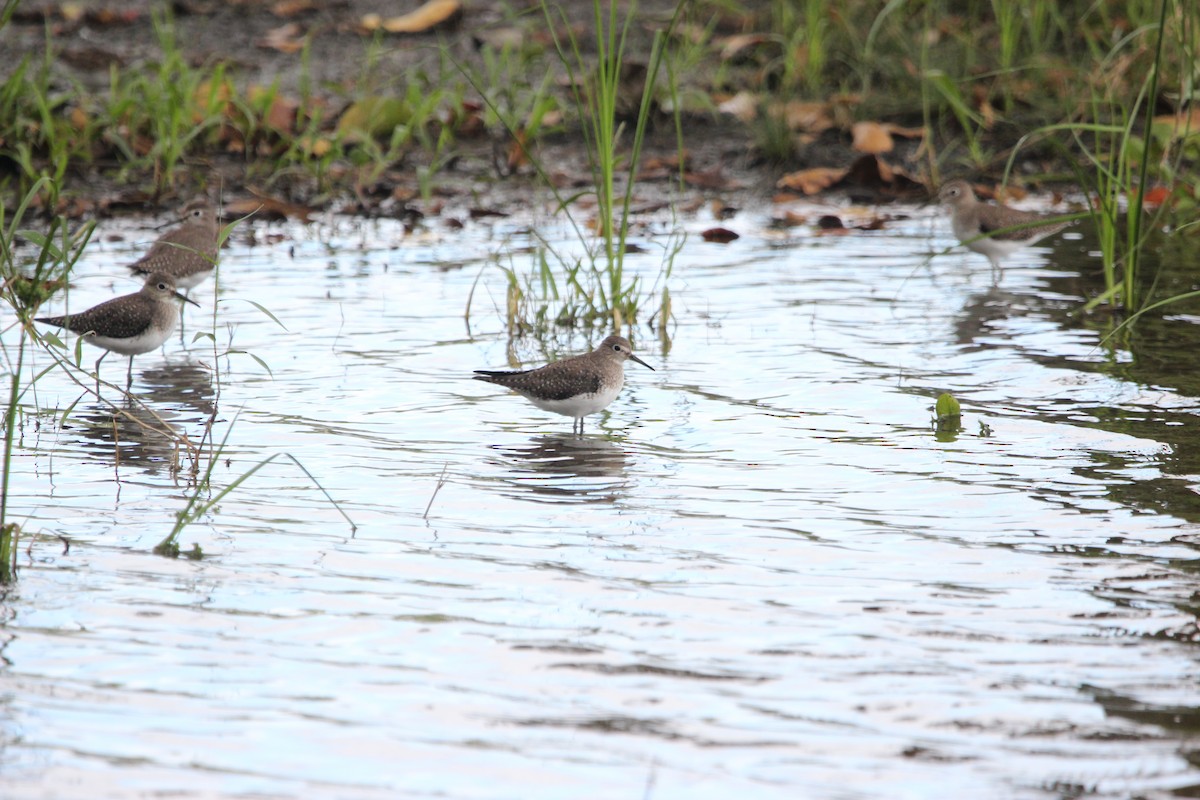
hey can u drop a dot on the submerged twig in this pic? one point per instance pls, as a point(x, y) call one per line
point(441, 482)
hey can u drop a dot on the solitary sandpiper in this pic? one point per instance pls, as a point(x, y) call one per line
point(576, 386)
point(995, 231)
point(131, 324)
point(187, 252)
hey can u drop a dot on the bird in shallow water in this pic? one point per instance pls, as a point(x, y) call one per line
point(575, 386)
point(996, 231)
point(187, 252)
point(131, 324)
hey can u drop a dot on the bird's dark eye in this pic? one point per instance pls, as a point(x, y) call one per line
point(162, 286)
point(617, 347)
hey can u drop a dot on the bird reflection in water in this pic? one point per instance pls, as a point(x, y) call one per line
point(148, 431)
point(568, 468)
point(185, 388)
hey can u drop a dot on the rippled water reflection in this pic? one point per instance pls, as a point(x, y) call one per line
point(759, 574)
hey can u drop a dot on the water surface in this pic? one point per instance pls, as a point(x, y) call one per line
point(759, 573)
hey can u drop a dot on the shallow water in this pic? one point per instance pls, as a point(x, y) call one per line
point(760, 573)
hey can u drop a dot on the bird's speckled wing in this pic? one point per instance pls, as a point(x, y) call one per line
point(180, 252)
point(119, 320)
point(551, 384)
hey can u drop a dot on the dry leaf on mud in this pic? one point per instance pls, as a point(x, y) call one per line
point(903, 132)
point(655, 168)
point(434, 14)
point(739, 46)
point(265, 208)
point(281, 116)
point(710, 179)
point(871, 137)
point(806, 116)
point(286, 38)
point(873, 172)
point(743, 105)
point(518, 155)
point(811, 181)
point(290, 8)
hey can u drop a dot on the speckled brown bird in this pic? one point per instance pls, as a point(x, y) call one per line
point(187, 252)
point(131, 324)
point(995, 231)
point(575, 386)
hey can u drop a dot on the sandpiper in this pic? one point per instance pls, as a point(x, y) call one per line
point(131, 324)
point(573, 387)
point(187, 252)
point(995, 231)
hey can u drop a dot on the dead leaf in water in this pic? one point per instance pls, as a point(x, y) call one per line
point(719, 235)
point(830, 223)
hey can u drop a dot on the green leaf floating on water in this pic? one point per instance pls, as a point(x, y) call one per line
point(949, 413)
point(947, 406)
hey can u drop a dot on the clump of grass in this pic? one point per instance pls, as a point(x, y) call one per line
point(201, 500)
point(1117, 144)
point(23, 291)
point(592, 288)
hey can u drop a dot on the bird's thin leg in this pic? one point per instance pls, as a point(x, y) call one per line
point(98, 360)
point(129, 376)
point(997, 272)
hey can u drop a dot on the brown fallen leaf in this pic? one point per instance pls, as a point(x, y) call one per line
point(790, 219)
point(874, 173)
point(806, 116)
point(265, 207)
point(903, 132)
point(434, 14)
point(482, 213)
point(710, 179)
point(722, 210)
point(871, 137)
point(984, 105)
point(287, 38)
point(739, 46)
point(281, 116)
point(811, 181)
point(743, 105)
point(719, 235)
point(518, 155)
point(285, 9)
point(873, 224)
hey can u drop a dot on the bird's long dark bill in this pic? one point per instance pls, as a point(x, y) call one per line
point(187, 299)
point(632, 357)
